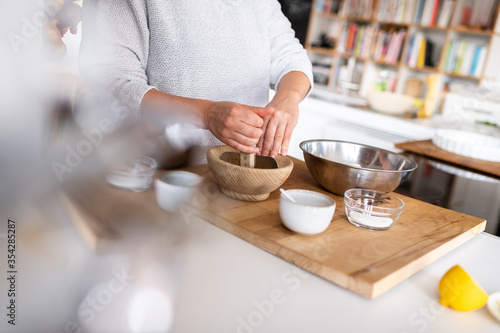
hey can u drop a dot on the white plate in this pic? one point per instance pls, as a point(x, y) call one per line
point(468, 144)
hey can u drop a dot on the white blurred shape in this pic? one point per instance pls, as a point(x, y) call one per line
point(150, 311)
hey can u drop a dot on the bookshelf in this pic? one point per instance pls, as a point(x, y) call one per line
point(410, 39)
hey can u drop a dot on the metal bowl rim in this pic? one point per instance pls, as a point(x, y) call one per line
point(414, 164)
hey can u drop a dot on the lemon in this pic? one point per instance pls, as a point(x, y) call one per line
point(460, 292)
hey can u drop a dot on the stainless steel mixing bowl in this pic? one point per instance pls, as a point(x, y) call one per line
point(340, 165)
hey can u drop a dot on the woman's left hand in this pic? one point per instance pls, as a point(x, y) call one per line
point(278, 127)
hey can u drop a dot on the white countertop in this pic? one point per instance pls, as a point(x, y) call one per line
point(217, 282)
point(223, 284)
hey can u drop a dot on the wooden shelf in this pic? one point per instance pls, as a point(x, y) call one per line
point(428, 27)
point(383, 63)
point(427, 69)
point(358, 19)
point(461, 76)
point(470, 31)
point(322, 50)
point(395, 24)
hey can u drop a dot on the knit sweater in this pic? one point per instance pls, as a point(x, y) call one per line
point(219, 50)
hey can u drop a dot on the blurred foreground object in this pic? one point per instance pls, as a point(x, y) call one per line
point(67, 16)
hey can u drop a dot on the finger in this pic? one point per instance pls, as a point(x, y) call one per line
point(244, 149)
point(286, 140)
point(248, 131)
point(269, 136)
point(242, 139)
point(254, 118)
point(264, 112)
point(278, 139)
point(260, 143)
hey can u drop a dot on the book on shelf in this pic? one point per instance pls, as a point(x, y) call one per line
point(464, 58)
point(357, 8)
point(433, 12)
point(328, 6)
point(409, 11)
point(419, 9)
point(397, 11)
point(427, 12)
point(420, 52)
point(357, 39)
point(388, 45)
point(466, 14)
point(445, 13)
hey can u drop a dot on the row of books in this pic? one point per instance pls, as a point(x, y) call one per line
point(465, 58)
point(420, 51)
point(351, 8)
point(470, 13)
point(365, 41)
point(387, 45)
point(397, 11)
point(433, 12)
point(328, 6)
point(477, 14)
point(357, 39)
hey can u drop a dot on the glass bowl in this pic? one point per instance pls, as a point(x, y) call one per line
point(372, 209)
point(134, 175)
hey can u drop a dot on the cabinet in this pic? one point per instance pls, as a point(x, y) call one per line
point(455, 41)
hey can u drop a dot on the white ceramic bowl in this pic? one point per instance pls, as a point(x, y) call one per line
point(311, 214)
point(389, 102)
point(175, 188)
point(468, 144)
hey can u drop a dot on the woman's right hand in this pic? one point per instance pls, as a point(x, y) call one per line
point(237, 125)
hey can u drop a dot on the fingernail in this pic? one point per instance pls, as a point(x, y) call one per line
point(283, 152)
point(273, 156)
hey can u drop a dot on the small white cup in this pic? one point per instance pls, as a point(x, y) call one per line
point(175, 188)
point(311, 213)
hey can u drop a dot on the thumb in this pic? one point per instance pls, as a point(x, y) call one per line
point(264, 112)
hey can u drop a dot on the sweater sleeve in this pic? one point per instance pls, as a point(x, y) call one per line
point(114, 49)
point(287, 54)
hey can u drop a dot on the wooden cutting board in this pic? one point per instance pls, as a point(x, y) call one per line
point(427, 148)
point(365, 262)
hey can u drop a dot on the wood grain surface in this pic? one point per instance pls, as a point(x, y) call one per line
point(427, 148)
point(245, 183)
point(363, 261)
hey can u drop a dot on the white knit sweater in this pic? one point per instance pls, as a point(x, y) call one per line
point(220, 50)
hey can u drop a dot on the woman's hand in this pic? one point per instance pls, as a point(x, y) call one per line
point(237, 125)
point(278, 126)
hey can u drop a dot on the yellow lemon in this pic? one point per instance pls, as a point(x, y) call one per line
point(460, 292)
